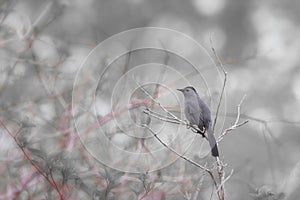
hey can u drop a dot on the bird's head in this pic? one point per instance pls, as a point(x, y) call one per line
point(188, 91)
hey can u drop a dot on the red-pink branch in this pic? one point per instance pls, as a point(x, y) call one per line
point(27, 156)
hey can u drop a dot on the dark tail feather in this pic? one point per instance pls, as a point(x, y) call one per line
point(215, 151)
point(213, 144)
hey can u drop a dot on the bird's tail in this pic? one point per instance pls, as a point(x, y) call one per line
point(212, 143)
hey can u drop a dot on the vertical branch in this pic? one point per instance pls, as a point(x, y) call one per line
point(218, 63)
point(221, 173)
point(220, 167)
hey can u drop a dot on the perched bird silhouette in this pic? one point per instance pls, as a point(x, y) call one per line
point(198, 113)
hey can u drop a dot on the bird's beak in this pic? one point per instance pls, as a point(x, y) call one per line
point(181, 90)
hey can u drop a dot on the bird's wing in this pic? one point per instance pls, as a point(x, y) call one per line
point(205, 116)
point(192, 113)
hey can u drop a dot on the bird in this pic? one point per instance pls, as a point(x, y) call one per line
point(198, 113)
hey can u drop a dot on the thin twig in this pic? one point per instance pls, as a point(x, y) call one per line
point(161, 118)
point(147, 110)
point(218, 63)
point(230, 129)
point(236, 123)
point(154, 100)
point(239, 110)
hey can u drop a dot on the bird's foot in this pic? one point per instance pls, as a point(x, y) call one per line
point(202, 132)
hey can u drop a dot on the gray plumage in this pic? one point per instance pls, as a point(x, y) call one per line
point(198, 113)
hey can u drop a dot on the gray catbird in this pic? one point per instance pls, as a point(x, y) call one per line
point(198, 113)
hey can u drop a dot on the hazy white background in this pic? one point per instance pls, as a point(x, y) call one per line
point(43, 43)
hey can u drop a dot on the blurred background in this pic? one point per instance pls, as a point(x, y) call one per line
point(43, 44)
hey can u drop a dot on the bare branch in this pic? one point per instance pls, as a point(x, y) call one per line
point(239, 110)
point(236, 123)
point(181, 156)
point(160, 117)
point(157, 102)
point(218, 63)
point(224, 181)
